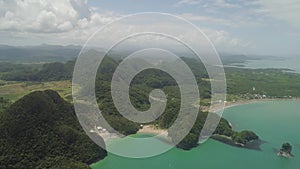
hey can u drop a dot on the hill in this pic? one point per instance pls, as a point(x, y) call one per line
point(41, 131)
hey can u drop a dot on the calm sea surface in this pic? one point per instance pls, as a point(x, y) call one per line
point(292, 63)
point(275, 122)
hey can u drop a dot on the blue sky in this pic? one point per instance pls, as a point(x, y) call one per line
point(236, 26)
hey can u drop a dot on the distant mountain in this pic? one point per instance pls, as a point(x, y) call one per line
point(38, 54)
point(56, 53)
point(41, 131)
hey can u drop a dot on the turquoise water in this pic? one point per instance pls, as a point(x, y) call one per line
point(275, 122)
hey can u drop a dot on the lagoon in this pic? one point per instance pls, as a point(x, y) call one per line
point(274, 121)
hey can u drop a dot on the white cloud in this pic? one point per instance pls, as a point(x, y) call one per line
point(48, 16)
point(224, 40)
point(73, 22)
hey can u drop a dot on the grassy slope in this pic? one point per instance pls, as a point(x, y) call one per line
point(15, 90)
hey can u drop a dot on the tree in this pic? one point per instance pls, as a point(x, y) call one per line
point(286, 147)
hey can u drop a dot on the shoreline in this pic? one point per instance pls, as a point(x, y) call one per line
point(253, 145)
point(222, 106)
point(151, 129)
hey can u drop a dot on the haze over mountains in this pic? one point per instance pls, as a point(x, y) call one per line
point(38, 54)
point(56, 53)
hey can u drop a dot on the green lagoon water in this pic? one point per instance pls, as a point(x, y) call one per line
point(275, 122)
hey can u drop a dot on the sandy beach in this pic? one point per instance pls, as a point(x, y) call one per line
point(217, 107)
point(151, 129)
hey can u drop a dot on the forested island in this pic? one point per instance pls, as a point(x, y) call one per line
point(285, 151)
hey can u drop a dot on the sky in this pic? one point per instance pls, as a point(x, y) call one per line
point(268, 27)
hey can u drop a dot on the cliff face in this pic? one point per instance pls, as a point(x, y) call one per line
point(41, 130)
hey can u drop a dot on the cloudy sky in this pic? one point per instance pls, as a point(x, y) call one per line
point(237, 26)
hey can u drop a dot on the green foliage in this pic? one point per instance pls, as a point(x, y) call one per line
point(244, 136)
point(41, 126)
point(286, 147)
point(190, 141)
point(61, 162)
point(224, 128)
point(48, 72)
point(269, 82)
point(140, 88)
point(142, 85)
point(54, 72)
point(4, 104)
point(11, 71)
point(106, 104)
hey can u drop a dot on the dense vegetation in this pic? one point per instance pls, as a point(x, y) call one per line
point(142, 84)
point(269, 82)
point(287, 148)
point(140, 88)
point(240, 82)
point(4, 104)
point(41, 131)
point(223, 133)
point(47, 72)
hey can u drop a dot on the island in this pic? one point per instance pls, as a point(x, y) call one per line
point(285, 151)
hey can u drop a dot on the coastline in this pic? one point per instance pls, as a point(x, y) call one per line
point(253, 145)
point(151, 129)
point(221, 106)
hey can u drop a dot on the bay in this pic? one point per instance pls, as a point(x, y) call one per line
point(274, 121)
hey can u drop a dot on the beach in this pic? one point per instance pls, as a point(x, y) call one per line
point(151, 129)
point(223, 105)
